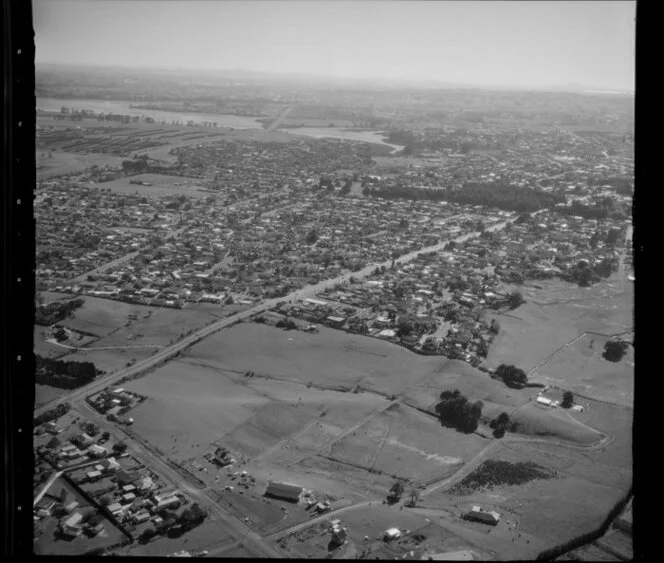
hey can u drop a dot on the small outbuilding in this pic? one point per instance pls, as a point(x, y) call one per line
point(392, 534)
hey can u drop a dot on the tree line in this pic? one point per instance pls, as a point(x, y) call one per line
point(498, 194)
point(46, 315)
point(64, 374)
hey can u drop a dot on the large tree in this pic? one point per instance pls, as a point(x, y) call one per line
point(512, 375)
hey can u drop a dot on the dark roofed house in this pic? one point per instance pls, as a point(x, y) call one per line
point(284, 491)
point(125, 478)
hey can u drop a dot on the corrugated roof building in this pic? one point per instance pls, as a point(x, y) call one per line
point(284, 491)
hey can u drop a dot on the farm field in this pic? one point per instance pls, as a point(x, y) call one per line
point(180, 389)
point(109, 360)
point(46, 393)
point(342, 361)
point(540, 421)
point(111, 322)
point(71, 163)
point(554, 316)
point(406, 443)
point(162, 185)
point(582, 369)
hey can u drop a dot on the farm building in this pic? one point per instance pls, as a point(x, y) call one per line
point(491, 518)
point(284, 491)
point(544, 401)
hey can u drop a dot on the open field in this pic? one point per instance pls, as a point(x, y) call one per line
point(554, 317)
point(342, 361)
point(162, 185)
point(110, 321)
point(109, 360)
point(581, 368)
point(541, 421)
point(404, 442)
point(46, 393)
point(68, 162)
point(180, 389)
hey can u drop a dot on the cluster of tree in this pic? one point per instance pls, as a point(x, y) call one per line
point(512, 376)
point(500, 424)
point(515, 299)
point(47, 315)
point(396, 491)
point(585, 275)
point(568, 400)
point(137, 166)
point(90, 428)
point(345, 190)
point(52, 414)
point(499, 195)
point(614, 350)
point(286, 323)
point(63, 374)
point(599, 210)
point(458, 412)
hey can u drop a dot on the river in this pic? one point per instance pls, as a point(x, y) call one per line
point(223, 120)
point(122, 107)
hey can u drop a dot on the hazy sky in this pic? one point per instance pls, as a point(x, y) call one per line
point(526, 43)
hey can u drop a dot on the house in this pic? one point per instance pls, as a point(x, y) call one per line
point(171, 501)
point(110, 464)
point(141, 516)
point(95, 530)
point(115, 508)
point(83, 440)
point(284, 491)
point(71, 507)
point(125, 478)
point(97, 451)
point(93, 475)
point(544, 401)
point(71, 526)
point(392, 534)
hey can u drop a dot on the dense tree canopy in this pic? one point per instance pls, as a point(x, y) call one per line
point(512, 376)
point(456, 411)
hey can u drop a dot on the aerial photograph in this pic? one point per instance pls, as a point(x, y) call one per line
point(334, 279)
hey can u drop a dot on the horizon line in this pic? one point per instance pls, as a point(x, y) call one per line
point(570, 87)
